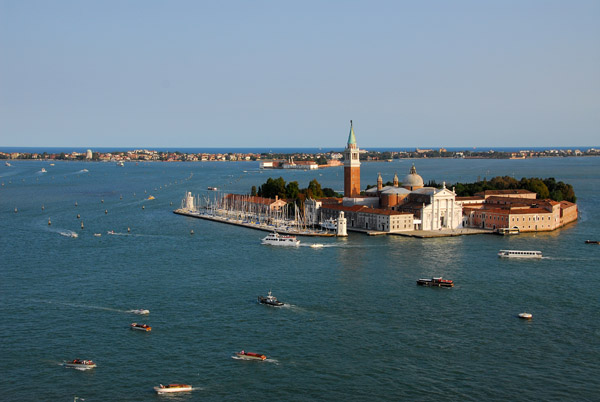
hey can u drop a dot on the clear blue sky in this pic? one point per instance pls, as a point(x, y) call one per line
point(293, 73)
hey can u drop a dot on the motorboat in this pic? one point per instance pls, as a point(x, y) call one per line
point(140, 311)
point(212, 188)
point(120, 164)
point(98, 234)
point(111, 232)
point(250, 356)
point(80, 364)
point(150, 198)
point(270, 300)
point(519, 254)
point(316, 245)
point(7, 164)
point(592, 242)
point(329, 224)
point(43, 170)
point(170, 388)
point(526, 316)
point(436, 282)
point(275, 239)
point(141, 327)
point(69, 234)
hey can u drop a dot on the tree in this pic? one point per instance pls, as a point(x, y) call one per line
point(292, 190)
point(253, 191)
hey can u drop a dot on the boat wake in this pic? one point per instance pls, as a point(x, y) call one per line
point(81, 171)
point(68, 233)
point(87, 306)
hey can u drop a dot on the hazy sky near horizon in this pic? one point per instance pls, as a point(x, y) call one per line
point(292, 74)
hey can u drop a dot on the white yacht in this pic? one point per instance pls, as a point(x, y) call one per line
point(329, 224)
point(275, 239)
point(519, 254)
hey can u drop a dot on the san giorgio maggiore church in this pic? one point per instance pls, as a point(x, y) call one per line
point(405, 206)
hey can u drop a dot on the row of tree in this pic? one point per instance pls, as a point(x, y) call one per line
point(292, 191)
point(545, 188)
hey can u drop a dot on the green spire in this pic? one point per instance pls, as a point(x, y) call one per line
point(351, 137)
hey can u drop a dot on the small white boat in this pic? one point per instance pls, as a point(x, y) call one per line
point(120, 164)
point(43, 170)
point(69, 234)
point(98, 234)
point(7, 164)
point(329, 224)
point(526, 316)
point(212, 188)
point(140, 311)
point(111, 232)
point(170, 388)
point(519, 254)
point(141, 327)
point(80, 364)
point(275, 239)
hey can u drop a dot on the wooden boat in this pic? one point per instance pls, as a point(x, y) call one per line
point(80, 364)
point(170, 388)
point(250, 356)
point(436, 282)
point(141, 327)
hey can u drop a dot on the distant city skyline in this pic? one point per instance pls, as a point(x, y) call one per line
point(235, 74)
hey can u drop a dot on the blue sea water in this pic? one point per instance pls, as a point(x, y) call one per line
point(356, 327)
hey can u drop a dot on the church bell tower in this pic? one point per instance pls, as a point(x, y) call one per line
point(351, 167)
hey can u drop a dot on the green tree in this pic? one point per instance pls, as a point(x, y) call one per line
point(292, 190)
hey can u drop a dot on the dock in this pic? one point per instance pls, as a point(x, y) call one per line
point(256, 226)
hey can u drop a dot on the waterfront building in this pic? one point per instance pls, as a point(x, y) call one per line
point(516, 209)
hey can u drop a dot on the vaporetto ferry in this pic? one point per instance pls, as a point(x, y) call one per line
point(519, 254)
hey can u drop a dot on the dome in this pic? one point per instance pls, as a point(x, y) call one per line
point(412, 181)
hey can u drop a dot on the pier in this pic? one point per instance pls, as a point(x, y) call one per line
point(257, 226)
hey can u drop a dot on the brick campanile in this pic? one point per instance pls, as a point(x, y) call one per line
point(351, 167)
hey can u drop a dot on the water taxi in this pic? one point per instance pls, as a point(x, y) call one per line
point(519, 254)
point(436, 282)
point(270, 300)
point(80, 364)
point(141, 327)
point(526, 316)
point(163, 389)
point(250, 356)
point(140, 311)
point(275, 239)
point(508, 231)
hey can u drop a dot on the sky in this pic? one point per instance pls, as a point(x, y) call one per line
point(278, 73)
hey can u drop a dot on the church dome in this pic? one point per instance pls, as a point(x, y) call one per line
point(412, 181)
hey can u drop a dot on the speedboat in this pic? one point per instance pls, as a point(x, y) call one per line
point(163, 389)
point(592, 242)
point(526, 316)
point(212, 188)
point(150, 198)
point(436, 282)
point(141, 327)
point(316, 245)
point(140, 311)
point(80, 364)
point(111, 232)
point(270, 300)
point(69, 234)
point(250, 356)
point(98, 234)
point(7, 164)
point(275, 239)
point(120, 164)
point(43, 170)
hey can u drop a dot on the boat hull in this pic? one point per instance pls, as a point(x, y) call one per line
point(263, 300)
point(172, 389)
point(251, 356)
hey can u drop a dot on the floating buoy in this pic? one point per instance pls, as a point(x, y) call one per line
point(106, 211)
point(128, 230)
point(82, 224)
point(49, 222)
point(192, 231)
point(78, 216)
